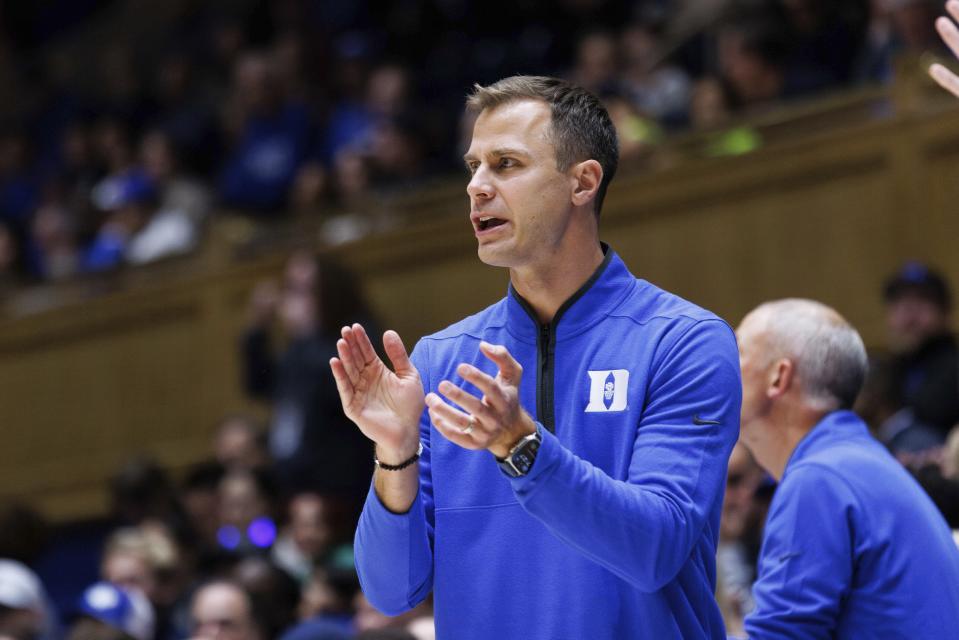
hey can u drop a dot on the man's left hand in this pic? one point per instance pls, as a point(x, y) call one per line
point(950, 35)
point(496, 421)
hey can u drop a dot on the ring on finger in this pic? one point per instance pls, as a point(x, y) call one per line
point(470, 425)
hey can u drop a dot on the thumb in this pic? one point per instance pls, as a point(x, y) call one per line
point(396, 351)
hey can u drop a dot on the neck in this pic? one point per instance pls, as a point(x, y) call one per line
point(792, 425)
point(546, 286)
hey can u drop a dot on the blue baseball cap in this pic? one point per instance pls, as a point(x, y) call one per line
point(132, 187)
point(125, 610)
point(918, 279)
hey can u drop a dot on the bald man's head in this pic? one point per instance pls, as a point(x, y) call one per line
point(827, 354)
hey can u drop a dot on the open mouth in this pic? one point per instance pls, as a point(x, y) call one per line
point(489, 222)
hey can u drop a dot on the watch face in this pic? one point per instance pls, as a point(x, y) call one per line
point(524, 458)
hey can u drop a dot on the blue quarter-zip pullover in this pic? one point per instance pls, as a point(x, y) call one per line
point(853, 547)
point(612, 534)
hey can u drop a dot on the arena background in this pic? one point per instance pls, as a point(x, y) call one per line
point(821, 193)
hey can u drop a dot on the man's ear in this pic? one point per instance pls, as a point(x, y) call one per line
point(781, 376)
point(586, 177)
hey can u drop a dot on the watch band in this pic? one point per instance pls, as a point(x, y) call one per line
point(521, 457)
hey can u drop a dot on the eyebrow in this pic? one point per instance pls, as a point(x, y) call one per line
point(499, 151)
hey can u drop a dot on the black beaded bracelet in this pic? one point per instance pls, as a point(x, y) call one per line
point(402, 465)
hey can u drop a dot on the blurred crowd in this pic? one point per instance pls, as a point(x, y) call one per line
point(279, 108)
point(252, 543)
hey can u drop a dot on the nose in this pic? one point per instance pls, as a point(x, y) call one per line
point(480, 186)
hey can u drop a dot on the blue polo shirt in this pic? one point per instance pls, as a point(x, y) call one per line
point(613, 532)
point(853, 547)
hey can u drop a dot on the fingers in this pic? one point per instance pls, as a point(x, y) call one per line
point(949, 33)
point(396, 351)
point(492, 391)
point(452, 422)
point(510, 370)
point(348, 360)
point(945, 78)
point(363, 344)
point(343, 384)
point(953, 8)
point(470, 403)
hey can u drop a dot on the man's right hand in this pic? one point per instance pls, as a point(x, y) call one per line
point(386, 405)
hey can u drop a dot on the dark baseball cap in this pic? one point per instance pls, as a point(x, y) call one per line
point(918, 279)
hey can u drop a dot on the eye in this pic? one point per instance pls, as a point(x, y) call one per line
point(507, 163)
point(472, 166)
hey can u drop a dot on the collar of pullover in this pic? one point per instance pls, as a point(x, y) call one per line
point(833, 427)
point(599, 295)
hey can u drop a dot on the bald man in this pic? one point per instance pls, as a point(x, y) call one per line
point(852, 548)
point(223, 610)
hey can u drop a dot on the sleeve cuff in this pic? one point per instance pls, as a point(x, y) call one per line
point(547, 459)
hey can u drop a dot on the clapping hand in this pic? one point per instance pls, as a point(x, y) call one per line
point(950, 35)
point(386, 405)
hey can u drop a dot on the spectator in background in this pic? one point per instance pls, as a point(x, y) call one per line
point(19, 187)
point(753, 47)
point(312, 444)
point(54, 235)
point(134, 558)
point(658, 89)
point(327, 599)
point(246, 500)
point(739, 529)
point(240, 444)
point(308, 537)
point(852, 546)
point(896, 27)
point(147, 560)
point(270, 137)
point(368, 619)
point(184, 113)
point(596, 65)
point(353, 124)
point(108, 612)
point(274, 589)
point(827, 36)
point(25, 612)
point(200, 497)
point(222, 610)
point(135, 230)
point(178, 194)
point(142, 490)
point(914, 391)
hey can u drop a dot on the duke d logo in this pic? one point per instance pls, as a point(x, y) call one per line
point(607, 390)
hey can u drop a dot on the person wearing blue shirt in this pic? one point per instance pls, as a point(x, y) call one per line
point(562, 477)
point(853, 548)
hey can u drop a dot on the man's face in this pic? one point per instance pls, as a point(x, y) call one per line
point(222, 612)
point(131, 571)
point(308, 525)
point(754, 363)
point(520, 203)
point(911, 319)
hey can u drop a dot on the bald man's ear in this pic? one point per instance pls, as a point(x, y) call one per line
point(780, 378)
point(586, 177)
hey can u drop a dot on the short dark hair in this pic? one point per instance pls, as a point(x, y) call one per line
point(580, 126)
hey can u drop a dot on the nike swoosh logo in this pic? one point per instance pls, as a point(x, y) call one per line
point(700, 421)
